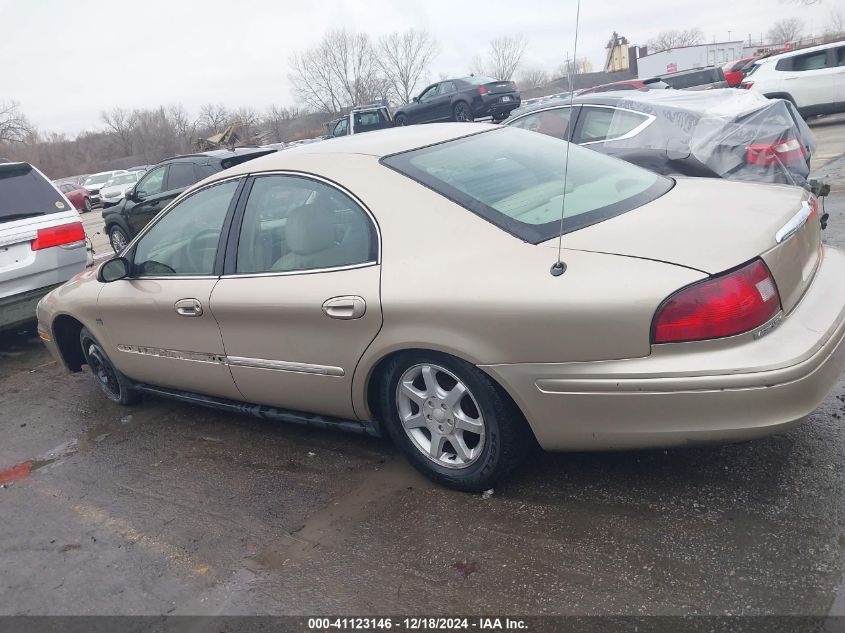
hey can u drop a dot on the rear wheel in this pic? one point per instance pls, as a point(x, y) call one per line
point(452, 422)
point(118, 239)
point(114, 384)
point(401, 119)
point(462, 112)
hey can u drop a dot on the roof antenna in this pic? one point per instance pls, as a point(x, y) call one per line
point(559, 267)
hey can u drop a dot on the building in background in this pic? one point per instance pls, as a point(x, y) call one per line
point(687, 57)
point(621, 56)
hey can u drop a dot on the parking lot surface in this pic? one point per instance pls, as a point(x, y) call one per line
point(165, 508)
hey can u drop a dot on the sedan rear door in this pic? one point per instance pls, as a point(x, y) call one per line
point(299, 301)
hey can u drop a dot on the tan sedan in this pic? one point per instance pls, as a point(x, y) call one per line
point(407, 281)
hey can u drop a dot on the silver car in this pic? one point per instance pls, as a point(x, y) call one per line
point(116, 187)
point(94, 182)
point(42, 242)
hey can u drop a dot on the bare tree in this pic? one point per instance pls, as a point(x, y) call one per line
point(836, 25)
point(277, 121)
point(248, 122)
point(14, 127)
point(122, 124)
point(341, 71)
point(182, 123)
point(786, 30)
point(213, 117)
point(674, 38)
point(532, 78)
point(503, 57)
point(404, 59)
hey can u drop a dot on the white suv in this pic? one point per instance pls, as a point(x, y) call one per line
point(42, 242)
point(812, 78)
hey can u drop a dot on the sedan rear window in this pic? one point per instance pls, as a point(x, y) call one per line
point(515, 179)
point(24, 193)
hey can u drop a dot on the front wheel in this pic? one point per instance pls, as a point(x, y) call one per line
point(86, 205)
point(118, 239)
point(462, 112)
point(114, 384)
point(401, 120)
point(452, 422)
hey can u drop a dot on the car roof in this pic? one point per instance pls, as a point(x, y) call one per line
point(717, 101)
point(801, 51)
point(222, 154)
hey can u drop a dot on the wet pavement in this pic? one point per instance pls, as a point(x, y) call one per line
point(166, 508)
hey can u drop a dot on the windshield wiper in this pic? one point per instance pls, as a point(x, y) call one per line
point(20, 216)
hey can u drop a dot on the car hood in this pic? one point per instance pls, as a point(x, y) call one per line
point(120, 189)
point(706, 224)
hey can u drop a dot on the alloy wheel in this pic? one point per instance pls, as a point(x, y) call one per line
point(118, 240)
point(440, 416)
point(462, 113)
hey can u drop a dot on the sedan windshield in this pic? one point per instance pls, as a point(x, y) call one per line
point(515, 179)
point(123, 179)
point(96, 179)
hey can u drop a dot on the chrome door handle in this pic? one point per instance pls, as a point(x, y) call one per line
point(345, 307)
point(188, 307)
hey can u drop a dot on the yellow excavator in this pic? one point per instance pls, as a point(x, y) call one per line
point(227, 139)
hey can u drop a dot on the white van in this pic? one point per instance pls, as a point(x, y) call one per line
point(42, 242)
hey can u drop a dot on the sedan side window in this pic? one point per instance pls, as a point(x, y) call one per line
point(152, 183)
point(294, 223)
point(606, 124)
point(184, 241)
point(549, 122)
point(429, 93)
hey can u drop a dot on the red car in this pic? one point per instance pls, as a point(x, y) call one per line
point(77, 194)
point(628, 84)
point(734, 70)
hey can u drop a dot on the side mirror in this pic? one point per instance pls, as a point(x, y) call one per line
point(114, 269)
point(129, 194)
point(416, 99)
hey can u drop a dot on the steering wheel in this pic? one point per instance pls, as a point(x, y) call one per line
point(204, 241)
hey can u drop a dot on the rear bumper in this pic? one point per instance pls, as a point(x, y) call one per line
point(20, 308)
point(684, 394)
point(490, 105)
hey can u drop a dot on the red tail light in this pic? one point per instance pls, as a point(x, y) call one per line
point(786, 151)
point(482, 90)
point(730, 304)
point(58, 235)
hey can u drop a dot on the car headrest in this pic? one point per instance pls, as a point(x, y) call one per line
point(310, 229)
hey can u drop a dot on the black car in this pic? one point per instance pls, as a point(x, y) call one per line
point(462, 99)
point(162, 183)
point(712, 133)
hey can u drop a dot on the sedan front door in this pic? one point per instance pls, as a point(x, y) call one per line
point(299, 301)
point(158, 326)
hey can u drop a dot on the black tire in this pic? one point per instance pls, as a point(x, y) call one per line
point(400, 120)
point(462, 112)
point(117, 238)
point(507, 435)
point(86, 205)
point(115, 385)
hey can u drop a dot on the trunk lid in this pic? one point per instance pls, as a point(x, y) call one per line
point(713, 226)
point(500, 87)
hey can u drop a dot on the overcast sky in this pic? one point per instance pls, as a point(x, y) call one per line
point(65, 61)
